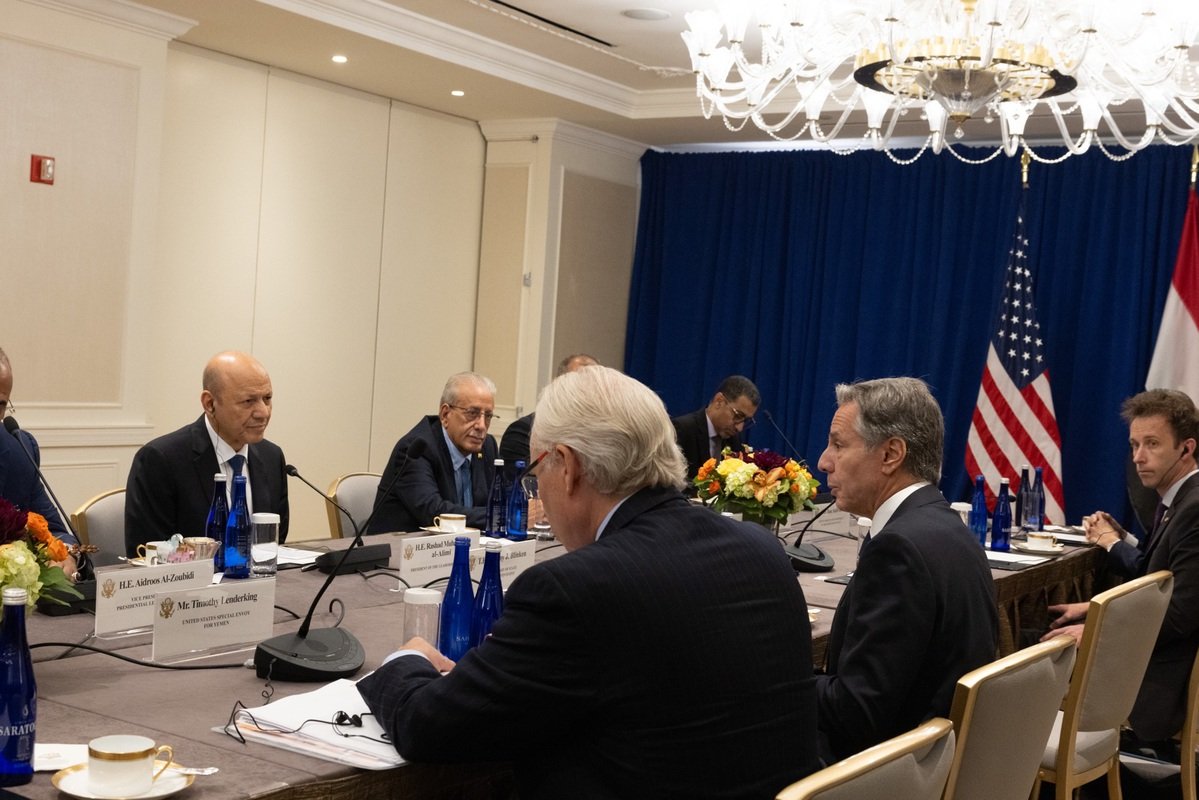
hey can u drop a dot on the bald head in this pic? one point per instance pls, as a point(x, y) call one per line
point(237, 397)
point(5, 382)
point(575, 361)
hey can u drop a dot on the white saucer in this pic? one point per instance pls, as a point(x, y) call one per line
point(1028, 548)
point(73, 781)
point(431, 529)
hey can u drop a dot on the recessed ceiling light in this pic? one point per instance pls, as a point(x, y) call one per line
point(340, 59)
point(458, 93)
point(646, 14)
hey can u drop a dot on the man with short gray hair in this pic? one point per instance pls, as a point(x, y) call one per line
point(920, 610)
point(666, 654)
point(453, 473)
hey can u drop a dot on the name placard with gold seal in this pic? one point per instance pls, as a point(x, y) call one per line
point(126, 597)
point(424, 559)
point(213, 619)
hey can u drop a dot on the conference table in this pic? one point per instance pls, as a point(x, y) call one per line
point(82, 694)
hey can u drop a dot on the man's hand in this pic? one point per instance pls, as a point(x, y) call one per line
point(1067, 614)
point(1102, 529)
point(1073, 631)
point(439, 662)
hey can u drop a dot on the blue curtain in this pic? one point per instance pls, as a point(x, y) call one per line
point(805, 269)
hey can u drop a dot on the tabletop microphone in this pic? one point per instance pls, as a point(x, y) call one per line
point(365, 556)
point(804, 557)
point(324, 654)
point(81, 560)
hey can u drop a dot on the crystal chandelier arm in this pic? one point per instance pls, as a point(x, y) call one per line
point(1074, 147)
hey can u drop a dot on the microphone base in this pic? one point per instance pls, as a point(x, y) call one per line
point(367, 557)
point(809, 558)
point(324, 655)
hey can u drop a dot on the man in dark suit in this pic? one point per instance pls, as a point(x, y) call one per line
point(666, 654)
point(1163, 430)
point(920, 610)
point(170, 481)
point(704, 433)
point(514, 444)
point(19, 483)
point(453, 474)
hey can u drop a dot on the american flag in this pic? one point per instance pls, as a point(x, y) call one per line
point(1013, 421)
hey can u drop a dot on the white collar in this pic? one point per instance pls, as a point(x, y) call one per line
point(884, 513)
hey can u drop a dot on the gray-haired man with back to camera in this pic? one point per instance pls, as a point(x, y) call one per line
point(666, 654)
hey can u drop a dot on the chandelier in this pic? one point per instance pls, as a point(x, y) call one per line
point(946, 62)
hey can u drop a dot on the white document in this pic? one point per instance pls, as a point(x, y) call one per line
point(1016, 558)
point(297, 555)
point(276, 724)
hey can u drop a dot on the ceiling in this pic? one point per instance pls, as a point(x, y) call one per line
point(578, 60)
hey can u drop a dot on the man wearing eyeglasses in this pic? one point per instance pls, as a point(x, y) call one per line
point(19, 483)
point(454, 473)
point(704, 433)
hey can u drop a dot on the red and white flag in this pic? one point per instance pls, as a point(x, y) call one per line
point(1175, 363)
point(1014, 422)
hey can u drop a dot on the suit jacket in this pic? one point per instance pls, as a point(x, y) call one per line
point(514, 444)
point(669, 659)
point(691, 431)
point(1159, 708)
point(427, 488)
point(170, 485)
point(919, 613)
point(19, 483)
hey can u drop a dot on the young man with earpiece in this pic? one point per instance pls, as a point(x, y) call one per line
point(1163, 430)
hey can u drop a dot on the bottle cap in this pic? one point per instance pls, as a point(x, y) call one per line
point(499, 462)
point(264, 518)
point(422, 597)
point(220, 476)
point(492, 545)
point(15, 596)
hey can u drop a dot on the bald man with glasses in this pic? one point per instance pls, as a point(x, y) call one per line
point(454, 472)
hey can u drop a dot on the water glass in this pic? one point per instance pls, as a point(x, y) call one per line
point(264, 545)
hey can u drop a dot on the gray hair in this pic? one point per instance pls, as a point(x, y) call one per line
point(455, 383)
point(618, 427)
point(903, 408)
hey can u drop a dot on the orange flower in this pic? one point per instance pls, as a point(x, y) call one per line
point(714, 487)
point(40, 530)
point(706, 469)
point(794, 488)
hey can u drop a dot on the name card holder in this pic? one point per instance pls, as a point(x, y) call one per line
point(126, 597)
point(515, 558)
point(233, 616)
point(424, 559)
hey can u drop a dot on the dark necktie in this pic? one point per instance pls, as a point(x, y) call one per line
point(714, 447)
point(236, 463)
point(1158, 516)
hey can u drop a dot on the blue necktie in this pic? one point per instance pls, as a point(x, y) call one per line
point(236, 463)
point(464, 488)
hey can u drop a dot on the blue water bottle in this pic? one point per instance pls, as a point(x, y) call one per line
point(1022, 499)
point(518, 507)
point(18, 693)
point(1001, 521)
point(1036, 503)
point(458, 606)
point(978, 511)
point(497, 504)
point(489, 602)
point(218, 517)
point(237, 533)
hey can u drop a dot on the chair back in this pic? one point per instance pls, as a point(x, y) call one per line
point(1121, 630)
point(355, 492)
point(1190, 736)
point(101, 522)
point(912, 766)
point(1002, 715)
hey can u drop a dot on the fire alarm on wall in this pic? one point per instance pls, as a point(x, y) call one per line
point(41, 169)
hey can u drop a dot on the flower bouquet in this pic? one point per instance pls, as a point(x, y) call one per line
point(28, 552)
point(762, 485)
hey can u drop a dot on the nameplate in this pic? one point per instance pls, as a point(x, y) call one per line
point(126, 596)
point(213, 619)
point(515, 558)
point(424, 559)
point(834, 520)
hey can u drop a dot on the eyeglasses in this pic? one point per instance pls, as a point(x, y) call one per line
point(473, 414)
point(535, 462)
point(739, 416)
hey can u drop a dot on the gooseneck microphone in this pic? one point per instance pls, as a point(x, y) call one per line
point(323, 654)
point(804, 557)
point(364, 557)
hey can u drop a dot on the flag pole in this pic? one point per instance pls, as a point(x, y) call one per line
point(1025, 160)
point(1194, 164)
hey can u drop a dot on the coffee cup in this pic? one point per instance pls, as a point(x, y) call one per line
point(154, 552)
point(1041, 540)
point(451, 523)
point(122, 765)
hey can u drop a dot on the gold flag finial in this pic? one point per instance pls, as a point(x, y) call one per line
point(1025, 160)
point(1194, 164)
